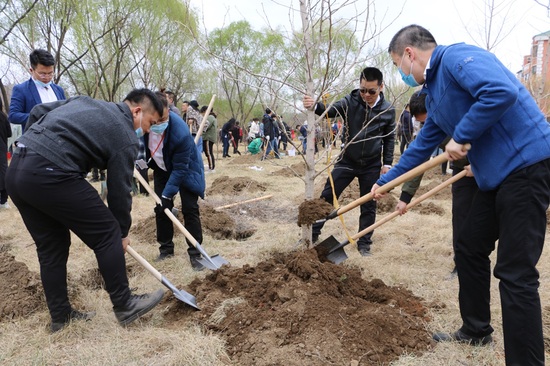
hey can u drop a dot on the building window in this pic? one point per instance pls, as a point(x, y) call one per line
point(535, 49)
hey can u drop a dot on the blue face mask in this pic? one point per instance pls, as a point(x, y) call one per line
point(44, 85)
point(139, 131)
point(408, 79)
point(160, 128)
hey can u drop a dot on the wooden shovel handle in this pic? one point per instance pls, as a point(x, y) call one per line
point(242, 202)
point(144, 263)
point(166, 211)
point(204, 118)
point(410, 205)
point(440, 159)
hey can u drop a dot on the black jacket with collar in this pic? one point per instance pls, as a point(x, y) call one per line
point(379, 136)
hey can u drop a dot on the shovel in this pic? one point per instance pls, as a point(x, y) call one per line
point(214, 262)
point(179, 294)
point(235, 146)
point(337, 254)
point(440, 159)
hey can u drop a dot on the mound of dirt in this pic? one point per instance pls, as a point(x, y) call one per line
point(246, 159)
point(287, 172)
point(222, 226)
point(21, 289)
point(145, 229)
point(386, 204)
point(228, 186)
point(313, 210)
point(445, 194)
point(351, 193)
point(296, 310)
point(428, 209)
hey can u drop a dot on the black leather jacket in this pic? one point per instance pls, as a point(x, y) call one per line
point(377, 139)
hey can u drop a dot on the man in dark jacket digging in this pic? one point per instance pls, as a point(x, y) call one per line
point(177, 166)
point(45, 180)
point(369, 138)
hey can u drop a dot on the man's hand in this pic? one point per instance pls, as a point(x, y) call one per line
point(468, 169)
point(377, 195)
point(402, 208)
point(385, 169)
point(455, 151)
point(125, 243)
point(166, 203)
point(308, 101)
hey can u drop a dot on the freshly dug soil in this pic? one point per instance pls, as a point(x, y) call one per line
point(386, 204)
point(299, 168)
point(310, 211)
point(428, 209)
point(444, 194)
point(21, 289)
point(294, 309)
point(246, 159)
point(351, 193)
point(231, 186)
point(220, 225)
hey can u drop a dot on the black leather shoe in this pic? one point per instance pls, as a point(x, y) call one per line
point(163, 256)
point(56, 326)
point(197, 266)
point(460, 337)
point(365, 252)
point(137, 305)
point(314, 238)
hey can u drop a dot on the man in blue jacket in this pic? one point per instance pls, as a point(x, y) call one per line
point(475, 99)
point(38, 89)
point(177, 166)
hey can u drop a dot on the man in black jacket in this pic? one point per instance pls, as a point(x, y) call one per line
point(63, 140)
point(369, 137)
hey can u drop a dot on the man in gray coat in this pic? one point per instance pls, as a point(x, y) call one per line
point(62, 142)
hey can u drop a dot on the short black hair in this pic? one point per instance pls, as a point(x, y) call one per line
point(412, 36)
point(147, 98)
point(163, 99)
point(40, 56)
point(417, 103)
point(372, 74)
point(169, 93)
point(203, 109)
point(268, 111)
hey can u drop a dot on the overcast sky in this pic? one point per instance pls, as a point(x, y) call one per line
point(441, 17)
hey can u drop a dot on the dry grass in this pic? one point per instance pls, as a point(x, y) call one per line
point(413, 251)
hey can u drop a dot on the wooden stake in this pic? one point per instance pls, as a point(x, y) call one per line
point(242, 202)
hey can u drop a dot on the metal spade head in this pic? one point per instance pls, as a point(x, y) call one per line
point(182, 295)
point(214, 262)
point(336, 253)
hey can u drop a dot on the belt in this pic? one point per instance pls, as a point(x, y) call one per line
point(24, 151)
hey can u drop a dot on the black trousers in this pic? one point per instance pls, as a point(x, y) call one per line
point(53, 202)
point(464, 191)
point(207, 148)
point(515, 215)
point(342, 175)
point(189, 208)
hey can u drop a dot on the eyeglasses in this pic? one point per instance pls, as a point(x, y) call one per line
point(44, 74)
point(370, 91)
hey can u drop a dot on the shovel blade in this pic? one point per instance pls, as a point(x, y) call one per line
point(336, 253)
point(182, 295)
point(213, 263)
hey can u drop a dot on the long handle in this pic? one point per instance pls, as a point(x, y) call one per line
point(144, 263)
point(204, 118)
point(243, 202)
point(410, 205)
point(440, 159)
point(166, 211)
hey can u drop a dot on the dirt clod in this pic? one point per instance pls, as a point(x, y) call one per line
point(227, 186)
point(21, 289)
point(294, 301)
point(313, 210)
point(428, 209)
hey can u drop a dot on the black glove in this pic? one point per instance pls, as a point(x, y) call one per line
point(166, 203)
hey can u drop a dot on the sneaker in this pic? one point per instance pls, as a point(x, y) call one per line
point(365, 251)
point(452, 275)
point(163, 256)
point(460, 337)
point(197, 266)
point(5, 205)
point(56, 326)
point(137, 305)
point(94, 180)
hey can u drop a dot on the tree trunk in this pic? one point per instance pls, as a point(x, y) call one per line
point(310, 151)
point(5, 106)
